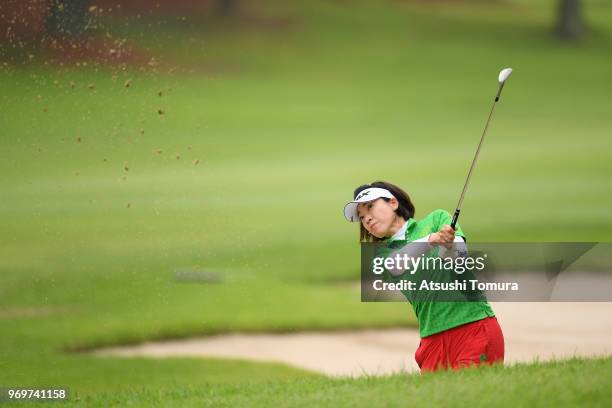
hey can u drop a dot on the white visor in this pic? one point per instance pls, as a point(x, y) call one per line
point(369, 194)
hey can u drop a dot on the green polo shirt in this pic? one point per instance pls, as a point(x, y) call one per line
point(434, 316)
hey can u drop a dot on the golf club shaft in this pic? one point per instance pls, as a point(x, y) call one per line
point(469, 176)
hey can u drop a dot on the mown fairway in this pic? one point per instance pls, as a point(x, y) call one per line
point(265, 131)
point(543, 384)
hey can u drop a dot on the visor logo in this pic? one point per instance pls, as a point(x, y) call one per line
point(363, 194)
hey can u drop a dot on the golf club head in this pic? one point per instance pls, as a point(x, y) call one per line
point(504, 74)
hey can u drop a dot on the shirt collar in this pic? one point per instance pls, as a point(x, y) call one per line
point(401, 233)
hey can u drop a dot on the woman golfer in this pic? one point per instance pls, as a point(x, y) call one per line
point(453, 334)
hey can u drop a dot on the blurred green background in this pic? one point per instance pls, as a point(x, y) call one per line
point(237, 143)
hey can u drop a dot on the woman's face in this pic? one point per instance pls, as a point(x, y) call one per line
point(378, 216)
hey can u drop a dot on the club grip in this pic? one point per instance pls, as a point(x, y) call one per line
point(455, 218)
point(501, 86)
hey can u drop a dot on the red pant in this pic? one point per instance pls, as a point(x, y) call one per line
point(473, 343)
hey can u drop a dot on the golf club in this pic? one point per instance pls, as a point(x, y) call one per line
point(503, 76)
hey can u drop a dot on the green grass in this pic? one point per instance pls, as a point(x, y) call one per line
point(285, 122)
point(568, 383)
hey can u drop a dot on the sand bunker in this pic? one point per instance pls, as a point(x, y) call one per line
point(532, 331)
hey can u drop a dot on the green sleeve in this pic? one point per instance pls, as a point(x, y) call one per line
point(442, 218)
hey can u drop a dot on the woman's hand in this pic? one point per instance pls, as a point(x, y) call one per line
point(445, 237)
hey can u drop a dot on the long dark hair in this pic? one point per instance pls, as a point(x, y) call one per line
point(405, 208)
